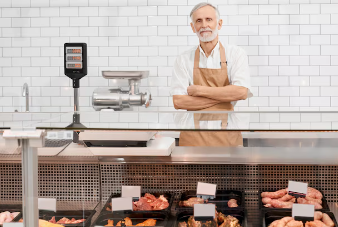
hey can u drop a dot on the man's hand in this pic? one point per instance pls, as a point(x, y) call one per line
point(194, 90)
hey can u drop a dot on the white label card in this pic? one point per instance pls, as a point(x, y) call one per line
point(131, 191)
point(303, 210)
point(125, 203)
point(297, 188)
point(206, 189)
point(13, 224)
point(47, 204)
point(204, 210)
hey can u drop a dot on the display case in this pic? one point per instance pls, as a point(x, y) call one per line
point(41, 159)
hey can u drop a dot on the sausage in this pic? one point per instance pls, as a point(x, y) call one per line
point(292, 200)
point(286, 198)
point(274, 195)
point(274, 223)
point(282, 222)
point(314, 200)
point(279, 204)
point(294, 223)
point(314, 193)
point(315, 223)
point(304, 201)
point(266, 200)
point(327, 220)
point(318, 215)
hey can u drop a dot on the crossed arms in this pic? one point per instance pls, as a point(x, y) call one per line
point(201, 97)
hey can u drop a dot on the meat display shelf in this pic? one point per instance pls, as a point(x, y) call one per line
point(12, 208)
point(269, 216)
point(136, 218)
point(262, 207)
point(239, 214)
point(168, 196)
point(221, 199)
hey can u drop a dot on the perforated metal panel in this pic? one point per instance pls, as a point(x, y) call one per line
point(10, 182)
point(81, 182)
point(247, 178)
point(65, 182)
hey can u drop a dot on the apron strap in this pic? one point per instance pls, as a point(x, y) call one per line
point(223, 58)
point(197, 58)
point(222, 52)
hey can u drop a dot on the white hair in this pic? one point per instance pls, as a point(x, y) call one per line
point(202, 4)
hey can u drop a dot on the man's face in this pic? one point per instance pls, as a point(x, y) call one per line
point(205, 23)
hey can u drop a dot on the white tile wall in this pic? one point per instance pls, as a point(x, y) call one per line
point(291, 44)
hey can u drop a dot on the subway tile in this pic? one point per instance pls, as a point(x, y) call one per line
point(30, 12)
point(167, 10)
point(289, 91)
point(98, 21)
point(50, 12)
point(127, 11)
point(177, 20)
point(79, 22)
point(11, 12)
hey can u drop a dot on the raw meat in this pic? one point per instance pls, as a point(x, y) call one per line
point(314, 193)
point(65, 220)
point(274, 195)
point(327, 220)
point(191, 201)
point(304, 201)
point(294, 223)
point(232, 203)
point(7, 216)
point(284, 221)
point(318, 215)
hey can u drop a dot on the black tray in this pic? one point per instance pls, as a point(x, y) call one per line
point(262, 207)
point(77, 214)
point(168, 196)
point(270, 216)
point(239, 214)
point(136, 217)
point(12, 208)
point(221, 199)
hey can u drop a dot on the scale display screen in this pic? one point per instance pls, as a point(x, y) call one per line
point(74, 65)
point(75, 61)
point(74, 57)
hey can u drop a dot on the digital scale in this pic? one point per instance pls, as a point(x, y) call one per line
point(75, 65)
point(110, 143)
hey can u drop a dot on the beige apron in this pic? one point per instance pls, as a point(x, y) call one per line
point(212, 78)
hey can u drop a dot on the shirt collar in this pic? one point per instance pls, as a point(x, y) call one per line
point(212, 52)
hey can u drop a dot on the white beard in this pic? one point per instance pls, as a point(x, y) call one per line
point(207, 38)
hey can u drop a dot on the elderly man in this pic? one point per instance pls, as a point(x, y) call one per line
point(210, 77)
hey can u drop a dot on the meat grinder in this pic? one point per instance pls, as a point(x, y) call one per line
point(118, 98)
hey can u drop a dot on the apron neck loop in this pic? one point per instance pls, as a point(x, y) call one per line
point(222, 53)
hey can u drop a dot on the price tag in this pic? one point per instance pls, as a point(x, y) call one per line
point(123, 203)
point(297, 189)
point(13, 224)
point(204, 212)
point(47, 204)
point(131, 191)
point(303, 212)
point(206, 191)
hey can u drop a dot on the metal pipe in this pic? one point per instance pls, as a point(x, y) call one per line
point(30, 184)
point(25, 93)
point(76, 100)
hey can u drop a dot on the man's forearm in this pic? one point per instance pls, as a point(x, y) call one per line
point(187, 102)
point(223, 94)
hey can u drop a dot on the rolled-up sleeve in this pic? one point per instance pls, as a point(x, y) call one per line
point(180, 78)
point(240, 71)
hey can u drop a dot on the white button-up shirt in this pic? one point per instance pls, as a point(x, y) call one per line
point(237, 64)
